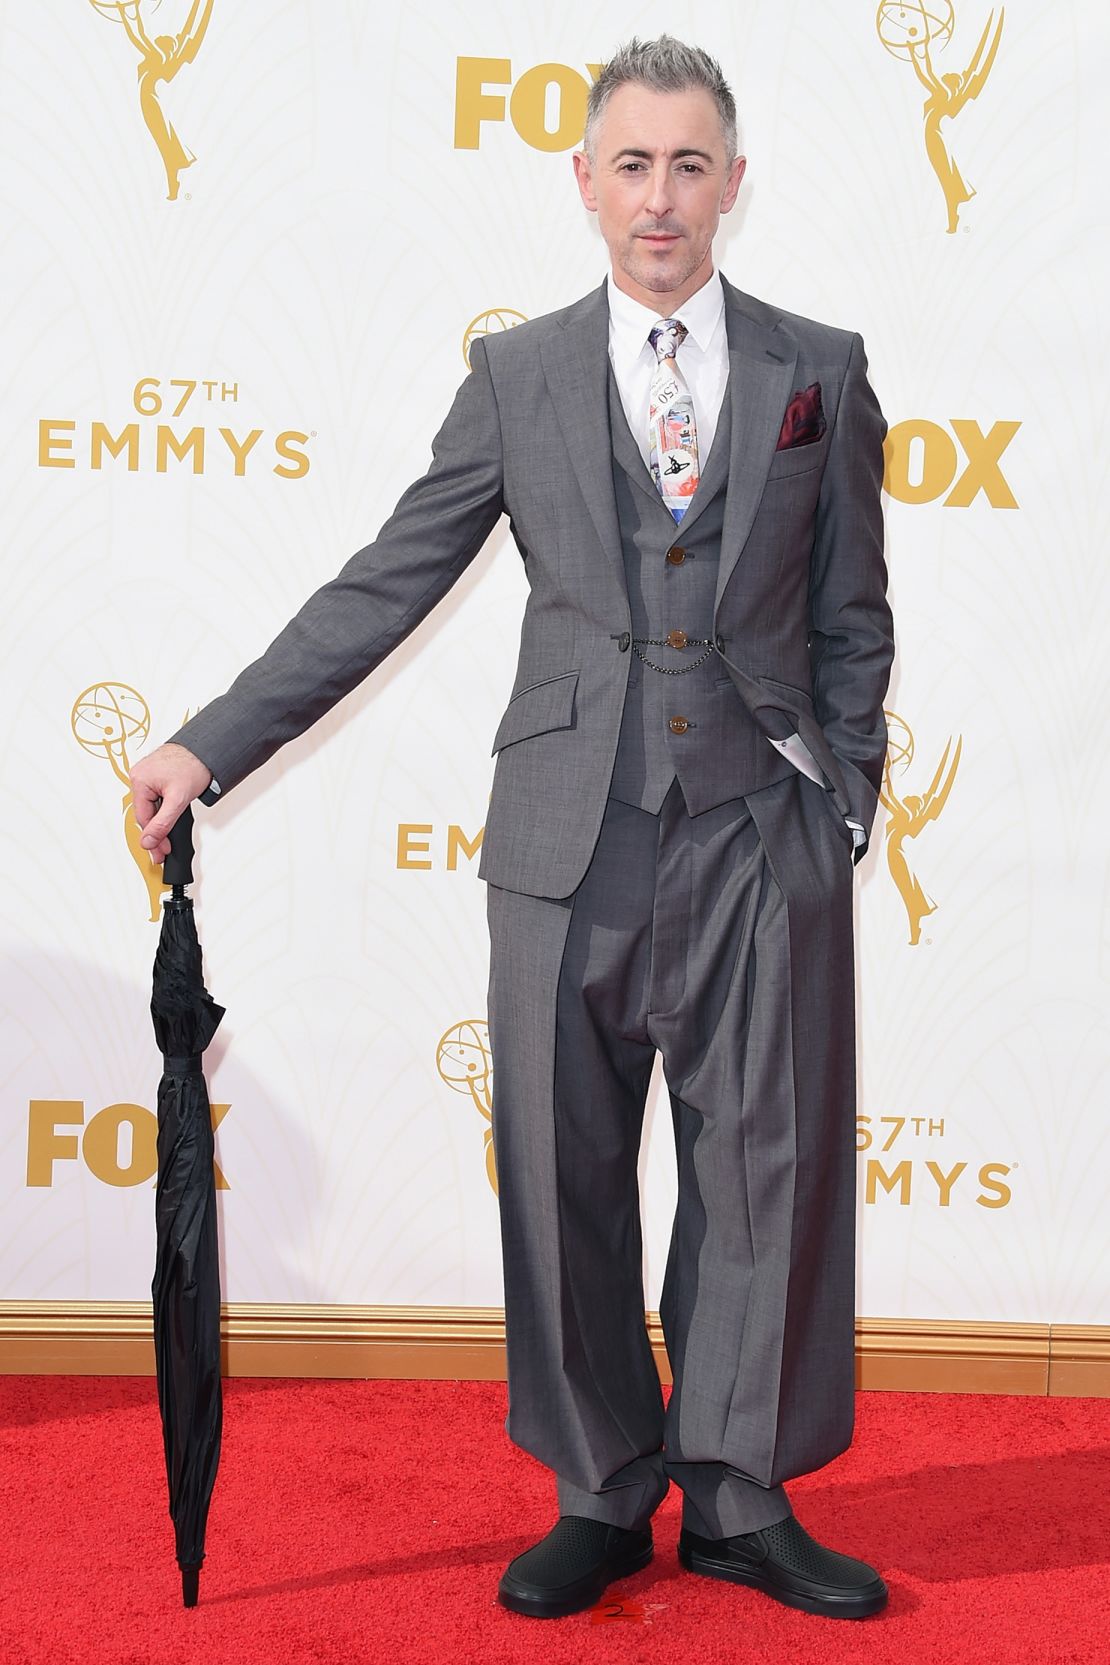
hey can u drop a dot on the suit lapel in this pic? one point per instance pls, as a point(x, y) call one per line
point(625, 450)
point(576, 369)
point(762, 358)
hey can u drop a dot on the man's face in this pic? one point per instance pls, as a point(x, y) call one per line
point(659, 183)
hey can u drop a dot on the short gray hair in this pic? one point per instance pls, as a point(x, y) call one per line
point(665, 65)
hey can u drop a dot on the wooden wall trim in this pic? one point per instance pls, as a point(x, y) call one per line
point(113, 1338)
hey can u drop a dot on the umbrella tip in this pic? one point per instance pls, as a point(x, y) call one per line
point(190, 1585)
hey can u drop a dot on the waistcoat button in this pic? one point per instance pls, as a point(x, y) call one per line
point(676, 556)
point(678, 725)
point(676, 639)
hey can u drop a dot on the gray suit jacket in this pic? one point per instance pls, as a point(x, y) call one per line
point(800, 602)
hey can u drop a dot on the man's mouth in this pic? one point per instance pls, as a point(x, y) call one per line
point(661, 238)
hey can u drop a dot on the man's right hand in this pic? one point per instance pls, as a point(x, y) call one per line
point(173, 774)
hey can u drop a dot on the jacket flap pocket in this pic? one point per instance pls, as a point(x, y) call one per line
point(795, 699)
point(535, 710)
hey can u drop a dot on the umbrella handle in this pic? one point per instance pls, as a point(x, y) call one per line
point(177, 869)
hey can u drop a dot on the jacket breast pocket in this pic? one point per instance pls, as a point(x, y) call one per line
point(537, 709)
point(797, 459)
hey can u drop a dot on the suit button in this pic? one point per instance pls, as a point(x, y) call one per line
point(624, 641)
point(719, 644)
point(676, 556)
point(676, 639)
point(678, 725)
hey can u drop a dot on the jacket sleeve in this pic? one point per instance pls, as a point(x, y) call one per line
point(850, 623)
point(352, 622)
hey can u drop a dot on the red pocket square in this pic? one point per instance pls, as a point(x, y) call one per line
point(804, 421)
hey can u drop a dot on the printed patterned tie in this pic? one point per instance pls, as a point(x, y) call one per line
point(672, 435)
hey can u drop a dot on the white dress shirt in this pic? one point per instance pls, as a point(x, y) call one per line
point(702, 358)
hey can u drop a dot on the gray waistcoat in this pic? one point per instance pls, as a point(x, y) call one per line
point(720, 753)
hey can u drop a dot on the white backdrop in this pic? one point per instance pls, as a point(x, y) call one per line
point(320, 268)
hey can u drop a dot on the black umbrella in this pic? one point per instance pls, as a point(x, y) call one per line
point(186, 1287)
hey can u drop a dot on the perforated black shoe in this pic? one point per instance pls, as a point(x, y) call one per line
point(785, 1562)
point(571, 1568)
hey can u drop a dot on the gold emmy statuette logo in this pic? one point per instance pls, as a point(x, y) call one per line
point(464, 1061)
point(913, 30)
point(490, 323)
point(159, 60)
point(104, 719)
point(909, 814)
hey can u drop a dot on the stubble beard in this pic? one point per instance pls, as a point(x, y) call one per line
point(661, 277)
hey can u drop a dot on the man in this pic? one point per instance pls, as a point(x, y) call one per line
point(686, 769)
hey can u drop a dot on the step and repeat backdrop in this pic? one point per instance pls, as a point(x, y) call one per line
point(246, 250)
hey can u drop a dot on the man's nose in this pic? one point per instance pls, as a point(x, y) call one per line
point(660, 196)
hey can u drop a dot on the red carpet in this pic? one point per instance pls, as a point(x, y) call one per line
point(370, 1521)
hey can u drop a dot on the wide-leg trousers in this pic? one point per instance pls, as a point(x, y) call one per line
point(724, 942)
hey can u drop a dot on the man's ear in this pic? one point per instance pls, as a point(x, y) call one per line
point(583, 173)
point(732, 189)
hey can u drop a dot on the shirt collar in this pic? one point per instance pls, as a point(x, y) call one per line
point(630, 321)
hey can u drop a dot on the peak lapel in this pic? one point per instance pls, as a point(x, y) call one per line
point(762, 358)
point(576, 369)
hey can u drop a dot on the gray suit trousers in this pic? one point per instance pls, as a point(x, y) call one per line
point(724, 941)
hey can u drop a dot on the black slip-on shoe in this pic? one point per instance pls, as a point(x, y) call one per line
point(571, 1568)
point(786, 1563)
